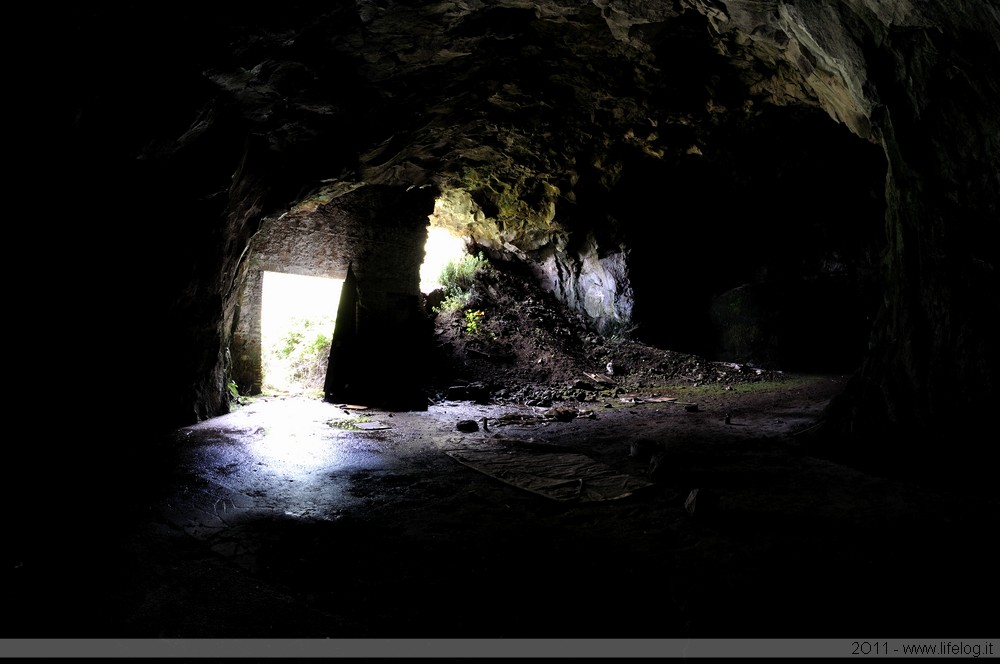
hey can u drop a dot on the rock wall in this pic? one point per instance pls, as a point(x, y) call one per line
point(914, 78)
point(594, 281)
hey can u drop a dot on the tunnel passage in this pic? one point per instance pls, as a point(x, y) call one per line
point(764, 249)
point(372, 238)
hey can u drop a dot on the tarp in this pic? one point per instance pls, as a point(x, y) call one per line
point(549, 470)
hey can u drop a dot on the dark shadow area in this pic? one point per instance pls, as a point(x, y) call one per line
point(765, 250)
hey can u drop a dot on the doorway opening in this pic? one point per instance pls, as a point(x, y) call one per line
point(298, 315)
point(442, 247)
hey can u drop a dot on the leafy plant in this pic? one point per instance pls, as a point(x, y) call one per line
point(472, 321)
point(457, 280)
point(298, 359)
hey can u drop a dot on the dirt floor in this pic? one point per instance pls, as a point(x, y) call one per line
point(291, 517)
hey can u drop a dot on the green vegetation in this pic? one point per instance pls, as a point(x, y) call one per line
point(298, 359)
point(458, 278)
point(472, 321)
point(348, 424)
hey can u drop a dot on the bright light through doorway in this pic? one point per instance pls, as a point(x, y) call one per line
point(442, 247)
point(298, 314)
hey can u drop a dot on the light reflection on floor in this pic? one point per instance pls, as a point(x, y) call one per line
point(280, 454)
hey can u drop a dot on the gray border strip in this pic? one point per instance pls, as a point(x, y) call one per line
point(489, 648)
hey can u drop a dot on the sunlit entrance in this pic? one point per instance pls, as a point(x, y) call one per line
point(298, 314)
point(442, 248)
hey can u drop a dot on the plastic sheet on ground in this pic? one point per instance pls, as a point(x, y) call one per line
point(549, 470)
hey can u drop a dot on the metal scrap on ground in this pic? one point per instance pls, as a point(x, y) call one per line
point(371, 426)
point(601, 380)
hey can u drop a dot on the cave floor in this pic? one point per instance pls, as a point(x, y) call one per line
point(291, 517)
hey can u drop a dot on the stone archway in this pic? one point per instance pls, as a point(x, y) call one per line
point(373, 235)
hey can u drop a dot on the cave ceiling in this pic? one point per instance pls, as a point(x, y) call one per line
point(511, 109)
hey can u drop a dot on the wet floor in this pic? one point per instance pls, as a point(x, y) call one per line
point(293, 456)
point(303, 459)
point(298, 518)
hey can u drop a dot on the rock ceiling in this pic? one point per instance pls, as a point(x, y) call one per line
point(521, 104)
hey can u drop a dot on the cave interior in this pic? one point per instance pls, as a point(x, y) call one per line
point(670, 170)
point(800, 186)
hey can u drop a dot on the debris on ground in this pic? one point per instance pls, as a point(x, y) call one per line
point(530, 349)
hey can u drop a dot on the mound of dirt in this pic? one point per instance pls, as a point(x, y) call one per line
point(517, 343)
